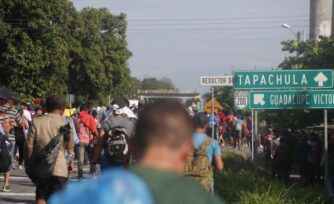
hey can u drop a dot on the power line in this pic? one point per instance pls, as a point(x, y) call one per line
point(214, 28)
point(214, 23)
point(216, 19)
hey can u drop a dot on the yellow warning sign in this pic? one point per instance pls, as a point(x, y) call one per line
point(217, 106)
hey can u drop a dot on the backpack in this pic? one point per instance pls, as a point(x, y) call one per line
point(41, 166)
point(199, 167)
point(116, 145)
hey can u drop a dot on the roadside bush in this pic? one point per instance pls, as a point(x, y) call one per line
point(238, 184)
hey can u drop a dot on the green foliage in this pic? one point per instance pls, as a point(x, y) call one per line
point(311, 54)
point(224, 95)
point(238, 184)
point(155, 84)
point(47, 47)
point(296, 119)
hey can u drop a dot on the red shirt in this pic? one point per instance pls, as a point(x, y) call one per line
point(86, 125)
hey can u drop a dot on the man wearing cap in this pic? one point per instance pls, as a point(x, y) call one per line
point(9, 118)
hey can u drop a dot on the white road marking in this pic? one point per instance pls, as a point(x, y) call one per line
point(17, 194)
point(20, 178)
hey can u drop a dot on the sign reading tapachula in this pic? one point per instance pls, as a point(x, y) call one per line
point(283, 79)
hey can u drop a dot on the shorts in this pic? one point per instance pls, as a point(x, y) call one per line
point(237, 133)
point(9, 158)
point(46, 189)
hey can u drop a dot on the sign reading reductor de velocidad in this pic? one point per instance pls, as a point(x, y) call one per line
point(308, 99)
point(283, 79)
point(217, 80)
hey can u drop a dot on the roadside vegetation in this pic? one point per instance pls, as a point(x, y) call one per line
point(238, 184)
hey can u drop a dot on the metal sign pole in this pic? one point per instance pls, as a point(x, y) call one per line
point(252, 145)
point(255, 140)
point(213, 114)
point(326, 149)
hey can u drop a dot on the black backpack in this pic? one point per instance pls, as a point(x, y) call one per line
point(116, 145)
point(40, 168)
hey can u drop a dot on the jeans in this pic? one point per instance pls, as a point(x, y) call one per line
point(81, 157)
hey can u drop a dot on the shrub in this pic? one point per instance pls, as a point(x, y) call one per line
point(238, 184)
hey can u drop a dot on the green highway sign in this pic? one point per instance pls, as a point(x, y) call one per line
point(283, 79)
point(308, 99)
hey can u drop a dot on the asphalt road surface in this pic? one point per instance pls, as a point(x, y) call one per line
point(23, 190)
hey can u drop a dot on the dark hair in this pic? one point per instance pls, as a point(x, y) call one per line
point(200, 120)
point(86, 106)
point(156, 126)
point(55, 103)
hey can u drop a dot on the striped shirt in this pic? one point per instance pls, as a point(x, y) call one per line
point(12, 115)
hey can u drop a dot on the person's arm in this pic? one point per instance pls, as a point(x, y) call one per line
point(29, 146)
point(219, 163)
point(18, 119)
point(93, 127)
point(217, 157)
point(97, 150)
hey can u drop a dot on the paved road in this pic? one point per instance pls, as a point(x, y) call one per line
point(22, 190)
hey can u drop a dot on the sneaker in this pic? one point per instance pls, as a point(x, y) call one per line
point(20, 167)
point(6, 189)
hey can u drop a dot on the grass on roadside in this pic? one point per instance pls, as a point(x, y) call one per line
point(237, 184)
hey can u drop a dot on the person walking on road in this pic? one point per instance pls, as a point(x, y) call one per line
point(9, 119)
point(199, 166)
point(87, 130)
point(162, 142)
point(113, 139)
point(43, 129)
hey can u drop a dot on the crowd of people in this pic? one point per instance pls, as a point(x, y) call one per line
point(300, 152)
point(154, 150)
point(231, 129)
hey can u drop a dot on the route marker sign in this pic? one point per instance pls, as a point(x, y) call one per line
point(294, 99)
point(217, 80)
point(241, 100)
point(283, 79)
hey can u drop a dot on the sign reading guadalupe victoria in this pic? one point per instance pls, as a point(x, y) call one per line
point(283, 79)
point(309, 99)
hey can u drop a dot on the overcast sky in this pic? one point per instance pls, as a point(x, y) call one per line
point(184, 39)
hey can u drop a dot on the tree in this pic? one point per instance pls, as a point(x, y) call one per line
point(155, 84)
point(33, 46)
point(310, 54)
point(47, 47)
point(99, 65)
point(224, 95)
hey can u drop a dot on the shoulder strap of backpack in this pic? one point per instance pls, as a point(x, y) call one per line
point(205, 144)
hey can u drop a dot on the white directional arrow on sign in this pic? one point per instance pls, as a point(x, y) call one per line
point(259, 99)
point(320, 79)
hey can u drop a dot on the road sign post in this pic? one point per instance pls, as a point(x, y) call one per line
point(326, 150)
point(252, 145)
point(213, 81)
point(213, 113)
point(283, 79)
point(255, 140)
point(308, 89)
